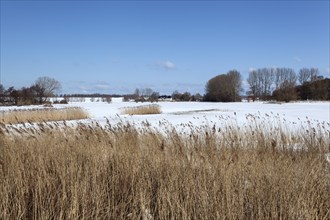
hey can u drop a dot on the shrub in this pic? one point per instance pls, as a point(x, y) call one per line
point(41, 115)
point(142, 110)
point(63, 101)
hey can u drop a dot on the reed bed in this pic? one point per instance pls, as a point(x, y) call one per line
point(42, 115)
point(88, 171)
point(142, 110)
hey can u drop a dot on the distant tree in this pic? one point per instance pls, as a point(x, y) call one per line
point(146, 92)
point(28, 96)
point(314, 74)
point(2, 93)
point(136, 94)
point(316, 90)
point(224, 87)
point(320, 89)
point(106, 98)
point(154, 97)
point(2, 89)
point(254, 83)
point(287, 92)
point(285, 82)
point(176, 96)
point(45, 87)
point(10, 93)
point(285, 77)
point(308, 75)
point(235, 84)
point(304, 75)
point(185, 97)
point(260, 82)
point(182, 97)
point(13, 95)
point(196, 97)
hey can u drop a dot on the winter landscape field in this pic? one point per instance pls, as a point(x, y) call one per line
point(155, 110)
point(198, 113)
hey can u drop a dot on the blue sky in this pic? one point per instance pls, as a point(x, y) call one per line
point(115, 47)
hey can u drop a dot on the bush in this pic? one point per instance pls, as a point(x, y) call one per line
point(63, 101)
point(142, 110)
point(41, 115)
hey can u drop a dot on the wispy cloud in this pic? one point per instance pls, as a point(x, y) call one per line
point(252, 69)
point(115, 61)
point(297, 59)
point(102, 87)
point(85, 87)
point(167, 65)
point(327, 70)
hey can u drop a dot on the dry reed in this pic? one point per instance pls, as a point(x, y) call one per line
point(121, 172)
point(42, 115)
point(142, 110)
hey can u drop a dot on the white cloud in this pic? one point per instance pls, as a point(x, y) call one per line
point(167, 65)
point(252, 69)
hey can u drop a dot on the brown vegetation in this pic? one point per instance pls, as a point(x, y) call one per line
point(142, 110)
point(42, 115)
point(122, 172)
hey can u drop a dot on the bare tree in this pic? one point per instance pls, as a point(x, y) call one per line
point(261, 81)
point(2, 93)
point(45, 87)
point(267, 79)
point(254, 83)
point(314, 74)
point(304, 75)
point(284, 77)
point(285, 81)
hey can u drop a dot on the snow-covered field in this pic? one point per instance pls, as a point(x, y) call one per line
point(200, 113)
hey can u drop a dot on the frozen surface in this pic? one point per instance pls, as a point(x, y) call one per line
point(200, 113)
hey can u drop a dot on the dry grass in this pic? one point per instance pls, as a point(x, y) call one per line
point(142, 110)
point(42, 115)
point(121, 172)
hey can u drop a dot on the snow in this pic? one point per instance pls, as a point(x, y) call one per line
point(201, 113)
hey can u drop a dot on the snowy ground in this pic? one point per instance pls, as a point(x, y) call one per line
point(200, 113)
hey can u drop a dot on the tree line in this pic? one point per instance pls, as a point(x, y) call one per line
point(278, 84)
point(281, 84)
point(38, 93)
